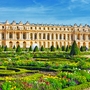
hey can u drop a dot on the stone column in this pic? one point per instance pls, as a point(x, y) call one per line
point(13, 35)
point(41, 36)
point(62, 36)
point(69, 36)
point(58, 36)
point(0, 36)
point(37, 36)
point(7, 35)
point(54, 36)
point(29, 35)
point(66, 36)
point(81, 36)
point(75, 37)
point(20, 36)
point(86, 37)
point(26, 35)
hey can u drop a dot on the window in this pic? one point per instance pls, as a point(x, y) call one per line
point(24, 35)
point(2, 35)
point(2, 27)
point(17, 35)
point(43, 36)
point(35, 36)
point(10, 35)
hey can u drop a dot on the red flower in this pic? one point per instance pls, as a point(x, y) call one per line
point(47, 83)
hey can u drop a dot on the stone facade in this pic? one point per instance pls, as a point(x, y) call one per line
point(28, 34)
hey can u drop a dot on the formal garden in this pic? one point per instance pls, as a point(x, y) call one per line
point(61, 68)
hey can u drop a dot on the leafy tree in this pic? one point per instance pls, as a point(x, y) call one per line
point(52, 48)
point(74, 49)
point(18, 49)
point(14, 47)
point(63, 48)
point(42, 48)
point(36, 49)
point(5, 48)
point(30, 48)
point(67, 48)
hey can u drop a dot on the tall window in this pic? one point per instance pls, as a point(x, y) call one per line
point(24, 35)
point(44, 36)
point(35, 36)
point(60, 37)
point(48, 36)
point(31, 36)
point(10, 35)
point(17, 35)
point(2, 35)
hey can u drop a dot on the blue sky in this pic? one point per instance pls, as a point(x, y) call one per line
point(64, 12)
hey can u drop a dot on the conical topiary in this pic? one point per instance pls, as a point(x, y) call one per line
point(74, 49)
point(52, 48)
point(18, 49)
point(36, 49)
point(42, 48)
point(30, 48)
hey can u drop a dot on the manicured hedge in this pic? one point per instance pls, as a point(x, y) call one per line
point(79, 87)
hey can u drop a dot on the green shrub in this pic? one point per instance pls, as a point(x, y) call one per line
point(42, 48)
point(74, 49)
point(63, 48)
point(52, 48)
point(18, 49)
point(30, 48)
point(14, 47)
point(67, 48)
point(36, 49)
point(5, 48)
point(83, 48)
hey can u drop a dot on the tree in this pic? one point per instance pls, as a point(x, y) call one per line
point(2, 46)
point(83, 48)
point(52, 48)
point(74, 49)
point(5, 48)
point(63, 48)
point(14, 47)
point(36, 49)
point(30, 48)
point(67, 48)
point(18, 49)
point(57, 47)
point(1, 49)
point(42, 48)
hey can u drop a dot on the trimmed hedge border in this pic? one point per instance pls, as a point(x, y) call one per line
point(79, 87)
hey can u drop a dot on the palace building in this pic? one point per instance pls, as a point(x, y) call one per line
point(45, 35)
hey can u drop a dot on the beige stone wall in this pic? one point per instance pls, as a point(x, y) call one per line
point(28, 34)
